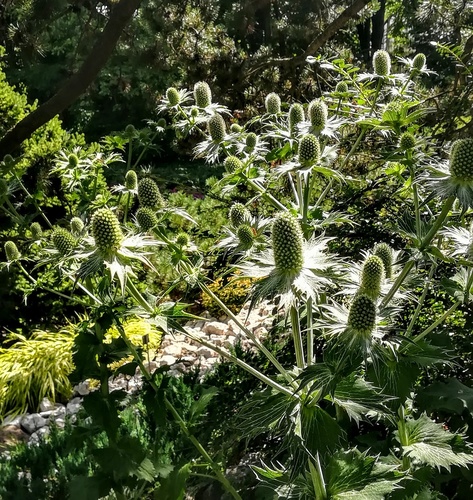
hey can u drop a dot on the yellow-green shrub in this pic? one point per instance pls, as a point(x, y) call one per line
point(233, 295)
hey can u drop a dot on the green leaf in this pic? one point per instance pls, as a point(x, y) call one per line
point(174, 486)
point(451, 395)
point(89, 488)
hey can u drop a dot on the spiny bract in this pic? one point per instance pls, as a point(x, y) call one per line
point(382, 63)
point(217, 128)
point(238, 215)
point(318, 114)
point(461, 160)
point(246, 236)
point(232, 163)
point(372, 276)
point(173, 96)
point(362, 315)
point(106, 230)
point(385, 253)
point(287, 242)
point(296, 115)
point(131, 180)
point(202, 94)
point(36, 230)
point(146, 218)
point(309, 150)
point(149, 194)
point(273, 103)
point(63, 240)
point(11, 251)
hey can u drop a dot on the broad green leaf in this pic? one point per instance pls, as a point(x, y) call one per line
point(451, 395)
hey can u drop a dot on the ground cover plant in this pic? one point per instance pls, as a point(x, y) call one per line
point(342, 416)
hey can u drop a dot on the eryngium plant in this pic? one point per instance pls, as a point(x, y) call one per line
point(362, 316)
point(309, 150)
point(385, 253)
point(296, 116)
point(382, 63)
point(63, 240)
point(106, 230)
point(11, 251)
point(173, 96)
point(77, 225)
point(372, 277)
point(217, 128)
point(238, 215)
point(287, 242)
point(318, 113)
point(146, 218)
point(232, 163)
point(246, 236)
point(273, 103)
point(149, 194)
point(202, 94)
point(131, 180)
point(36, 230)
point(461, 160)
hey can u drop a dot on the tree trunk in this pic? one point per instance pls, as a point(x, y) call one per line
point(78, 83)
point(377, 28)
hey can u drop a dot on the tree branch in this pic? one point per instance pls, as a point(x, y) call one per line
point(338, 23)
point(120, 15)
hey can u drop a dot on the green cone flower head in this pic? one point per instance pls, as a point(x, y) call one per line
point(149, 194)
point(194, 111)
point(238, 215)
point(146, 218)
point(461, 160)
point(8, 160)
point(106, 230)
point(362, 315)
point(63, 240)
point(309, 150)
point(130, 130)
point(407, 141)
point(272, 103)
point(162, 123)
point(36, 230)
point(131, 180)
point(385, 253)
point(235, 128)
point(173, 96)
point(77, 225)
point(341, 87)
point(418, 64)
point(217, 128)
point(232, 163)
point(202, 94)
point(296, 115)
point(11, 251)
point(287, 241)
point(382, 63)
point(246, 236)
point(318, 114)
point(182, 239)
point(251, 140)
point(372, 276)
point(73, 160)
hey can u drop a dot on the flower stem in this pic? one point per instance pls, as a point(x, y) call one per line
point(38, 208)
point(296, 333)
point(436, 323)
point(310, 332)
point(422, 299)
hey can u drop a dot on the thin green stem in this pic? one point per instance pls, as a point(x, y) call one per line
point(422, 299)
point(310, 332)
point(436, 323)
point(135, 293)
point(318, 481)
point(297, 336)
point(324, 193)
point(267, 196)
point(143, 151)
point(127, 207)
point(130, 152)
point(38, 208)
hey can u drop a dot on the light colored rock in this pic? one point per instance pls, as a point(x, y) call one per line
point(33, 422)
point(38, 436)
point(205, 352)
point(167, 360)
point(46, 405)
point(73, 406)
point(16, 421)
point(173, 350)
point(215, 328)
point(189, 348)
point(82, 388)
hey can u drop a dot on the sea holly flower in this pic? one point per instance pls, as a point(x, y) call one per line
point(77, 226)
point(36, 231)
point(11, 251)
point(372, 277)
point(362, 316)
point(217, 128)
point(149, 194)
point(295, 116)
point(456, 177)
point(273, 104)
point(246, 236)
point(385, 253)
point(318, 114)
point(146, 218)
point(407, 141)
point(292, 268)
point(63, 241)
point(238, 215)
point(341, 88)
point(182, 239)
point(309, 150)
point(106, 230)
point(232, 164)
point(173, 99)
point(418, 63)
point(131, 180)
point(382, 63)
point(202, 94)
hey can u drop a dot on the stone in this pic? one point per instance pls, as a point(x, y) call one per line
point(59, 412)
point(215, 328)
point(16, 421)
point(173, 350)
point(46, 405)
point(10, 435)
point(38, 436)
point(82, 388)
point(31, 423)
point(73, 406)
point(205, 352)
point(167, 360)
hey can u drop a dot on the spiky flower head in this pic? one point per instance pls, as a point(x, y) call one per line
point(77, 225)
point(318, 114)
point(8, 160)
point(341, 87)
point(173, 96)
point(461, 160)
point(234, 127)
point(182, 239)
point(287, 242)
point(194, 112)
point(130, 130)
point(36, 230)
point(73, 160)
point(238, 215)
point(63, 240)
point(362, 315)
point(11, 251)
point(272, 103)
point(162, 123)
point(382, 63)
point(418, 63)
point(251, 140)
point(131, 180)
point(149, 194)
point(106, 230)
point(385, 253)
point(309, 150)
point(296, 115)
point(202, 94)
point(146, 218)
point(407, 141)
point(372, 276)
point(246, 236)
point(3, 188)
point(217, 128)
point(232, 163)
